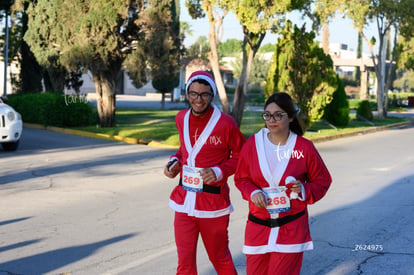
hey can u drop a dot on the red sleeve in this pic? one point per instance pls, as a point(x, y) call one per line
point(318, 176)
point(179, 122)
point(242, 177)
point(235, 141)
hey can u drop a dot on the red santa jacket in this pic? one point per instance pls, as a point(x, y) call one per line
point(306, 165)
point(220, 149)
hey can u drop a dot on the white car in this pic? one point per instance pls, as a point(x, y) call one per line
point(11, 127)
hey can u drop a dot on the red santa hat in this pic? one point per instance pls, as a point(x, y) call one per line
point(204, 76)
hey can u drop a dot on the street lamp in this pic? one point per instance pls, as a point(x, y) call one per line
point(5, 6)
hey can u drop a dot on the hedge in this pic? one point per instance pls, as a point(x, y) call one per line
point(52, 109)
point(364, 110)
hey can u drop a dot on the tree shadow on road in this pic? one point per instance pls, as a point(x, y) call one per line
point(14, 220)
point(55, 259)
point(371, 236)
point(139, 158)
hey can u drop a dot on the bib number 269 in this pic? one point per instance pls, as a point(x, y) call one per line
point(192, 180)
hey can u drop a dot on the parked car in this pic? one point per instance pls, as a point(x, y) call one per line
point(11, 127)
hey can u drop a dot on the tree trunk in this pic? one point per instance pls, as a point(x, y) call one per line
point(214, 62)
point(162, 101)
point(325, 38)
point(105, 91)
point(57, 75)
point(391, 67)
point(241, 90)
point(382, 113)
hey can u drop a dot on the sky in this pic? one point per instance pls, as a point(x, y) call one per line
point(341, 30)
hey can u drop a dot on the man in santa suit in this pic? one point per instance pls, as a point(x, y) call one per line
point(210, 145)
point(279, 173)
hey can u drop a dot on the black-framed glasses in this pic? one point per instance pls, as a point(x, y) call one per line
point(203, 96)
point(277, 116)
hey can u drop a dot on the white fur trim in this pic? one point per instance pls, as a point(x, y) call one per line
point(203, 77)
point(200, 213)
point(284, 248)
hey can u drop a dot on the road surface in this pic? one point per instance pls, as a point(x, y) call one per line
point(78, 205)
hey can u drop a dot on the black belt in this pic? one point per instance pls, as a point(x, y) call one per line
point(276, 222)
point(206, 188)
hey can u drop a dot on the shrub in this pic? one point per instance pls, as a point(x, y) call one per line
point(337, 111)
point(364, 110)
point(51, 109)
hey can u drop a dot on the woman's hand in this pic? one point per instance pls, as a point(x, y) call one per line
point(295, 186)
point(259, 199)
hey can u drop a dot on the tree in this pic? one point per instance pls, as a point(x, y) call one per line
point(256, 18)
point(357, 72)
point(267, 48)
point(406, 82)
point(163, 45)
point(302, 69)
point(337, 111)
point(31, 72)
point(199, 49)
point(215, 10)
point(97, 35)
point(406, 57)
point(230, 47)
point(5, 7)
point(388, 15)
point(259, 72)
point(74, 81)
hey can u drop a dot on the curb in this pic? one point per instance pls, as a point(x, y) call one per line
point(360, 132)
point(87, 134)
point(160, 145)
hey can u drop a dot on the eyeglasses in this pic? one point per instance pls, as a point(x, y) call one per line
point(276, 116)
point(203, 96)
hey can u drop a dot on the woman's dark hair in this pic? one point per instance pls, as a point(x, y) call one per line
point(284, 101)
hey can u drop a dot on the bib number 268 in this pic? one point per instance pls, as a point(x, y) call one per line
point(276, 201)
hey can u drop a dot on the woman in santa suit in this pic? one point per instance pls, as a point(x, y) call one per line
point(279, 173)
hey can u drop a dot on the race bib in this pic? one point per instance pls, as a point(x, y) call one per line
point(277, 200)
point(192, 180)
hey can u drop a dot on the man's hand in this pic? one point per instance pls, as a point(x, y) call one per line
point(208, 175)
point(172, 169)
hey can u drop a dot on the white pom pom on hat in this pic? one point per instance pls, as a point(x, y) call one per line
point(204, 76)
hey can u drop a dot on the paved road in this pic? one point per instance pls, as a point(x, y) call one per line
point(88, 206)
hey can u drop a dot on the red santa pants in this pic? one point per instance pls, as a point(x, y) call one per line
point(214, 234)
point(274, 263)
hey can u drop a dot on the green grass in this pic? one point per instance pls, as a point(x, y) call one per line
point(322, 128)
point(159, 125)
point(143, 125)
